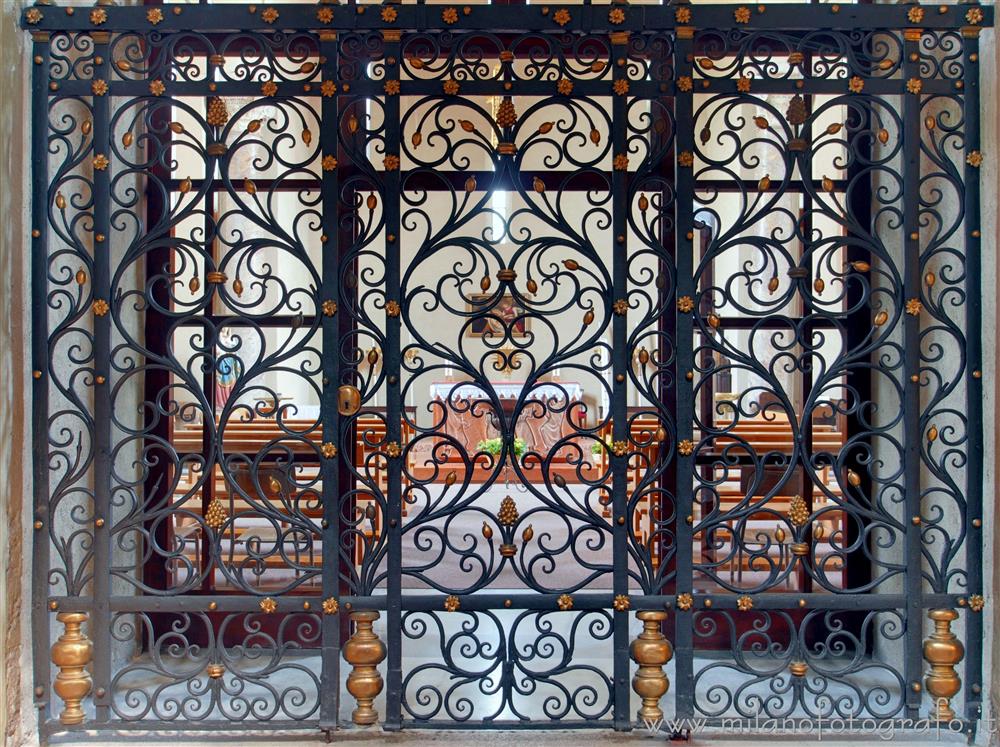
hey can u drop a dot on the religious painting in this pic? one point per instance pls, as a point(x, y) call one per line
point(506, 315)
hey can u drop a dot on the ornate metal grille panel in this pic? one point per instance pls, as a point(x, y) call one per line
point(489, 349)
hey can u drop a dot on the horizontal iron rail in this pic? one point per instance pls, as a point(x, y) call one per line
point(588, 181)
point(590, 89)
point(431, 602)
point(220, 728)
point(585, 18)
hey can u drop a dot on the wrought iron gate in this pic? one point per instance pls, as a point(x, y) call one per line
point(516, 356)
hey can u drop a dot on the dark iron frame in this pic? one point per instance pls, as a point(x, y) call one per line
point(585, 19)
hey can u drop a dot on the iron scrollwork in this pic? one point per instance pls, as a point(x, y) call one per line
point(489, 329)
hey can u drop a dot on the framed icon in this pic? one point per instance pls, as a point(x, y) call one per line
point(508, 314)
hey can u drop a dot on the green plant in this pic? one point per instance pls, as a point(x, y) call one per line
point(597, 448)
point(495, 445)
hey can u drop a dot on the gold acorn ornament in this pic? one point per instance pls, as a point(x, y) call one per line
point(798, 511)
point(216, 515)
point(796, 114)
point(507, 515)
point(217, 113)
point(506, 114)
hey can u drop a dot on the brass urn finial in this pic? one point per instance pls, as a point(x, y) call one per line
point(943, 651)
point(71, 653)
point(364, 652)
point(651, 651)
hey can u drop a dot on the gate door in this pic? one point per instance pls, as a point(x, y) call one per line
point(581, 365)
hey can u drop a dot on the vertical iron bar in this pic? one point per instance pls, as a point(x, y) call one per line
point(156, 383)
point(40, 200)
point(804, 447)
point(912, 420)
point(666, 172)
point(329, 415)
point(211, 440)
point(101, 620)
point(685, 343)
point(393, 410)
point(974, 381)
point(619, 362)
point(861, 229)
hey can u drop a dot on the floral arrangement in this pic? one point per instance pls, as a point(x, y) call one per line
point(495, 445)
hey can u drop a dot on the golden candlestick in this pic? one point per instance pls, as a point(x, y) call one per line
point(72, 653)
point(943, 651)
point(651, 651)
point(364, 652)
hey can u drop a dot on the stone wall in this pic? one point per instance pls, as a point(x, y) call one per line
point(15, 491)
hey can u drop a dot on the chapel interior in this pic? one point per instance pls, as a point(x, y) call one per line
point(563, 419)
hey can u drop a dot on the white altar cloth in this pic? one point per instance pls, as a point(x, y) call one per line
point(506, 390)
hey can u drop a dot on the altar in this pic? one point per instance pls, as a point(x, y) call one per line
point(544, 414)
